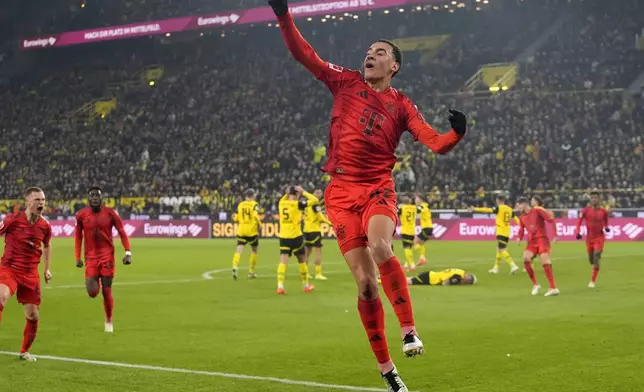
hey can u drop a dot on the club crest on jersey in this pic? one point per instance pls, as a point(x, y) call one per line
point(336, 68)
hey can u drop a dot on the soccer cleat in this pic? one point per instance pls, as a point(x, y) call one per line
point(551, 293)
point(109, 327)
point(514, 269)
point(308, 288)
point(235, 273)
point(535, 289)
point(412, 345)
point(310, 276)
point(321, 277)
point(393, 381)
point(591, 285)
point(494, 270)
point(27, 357)
point(252, 275)
point(421, 261)
point(281, 291)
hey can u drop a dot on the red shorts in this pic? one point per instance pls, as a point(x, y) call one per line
point(95, 268)
point(350, 205)
point(538, 247)
point(26, 284)
point(595, 244)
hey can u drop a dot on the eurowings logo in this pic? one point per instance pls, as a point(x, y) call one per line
point(439, 230)
point(632, 231)
point(194, 229)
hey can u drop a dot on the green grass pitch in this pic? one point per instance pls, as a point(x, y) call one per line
point(493, 336)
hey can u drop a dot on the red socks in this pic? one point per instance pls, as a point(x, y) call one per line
point(394, 283)
point(593, 278)
point(373, 319)
point(29, 335)
point(530, 271)
point(108, 303)
point(547, 268)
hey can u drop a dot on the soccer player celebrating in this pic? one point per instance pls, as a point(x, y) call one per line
point(291, 238)
point(448, 277)
point(534, 220)
point(368, 119)
point(313, 217)
point(27, 238)
point(407, 213)
point(504, 215)
point(94, 224)
point(596, 224)
point(427, 229)
point(247, 232)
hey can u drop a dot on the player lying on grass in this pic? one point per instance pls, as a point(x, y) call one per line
point(504, 215)
point(94, 224)
point(448, 277)
point(27, 237)
point(596, 224)
point(533, 219)
point(368, 120)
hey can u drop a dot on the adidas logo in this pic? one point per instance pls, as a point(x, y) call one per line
point(400, 301)
point(194, 229)
point(375, 338)
point(439, 230)
point(363, 94)
point(632, 230)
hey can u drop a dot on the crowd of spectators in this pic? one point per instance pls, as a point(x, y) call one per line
point(222, 120)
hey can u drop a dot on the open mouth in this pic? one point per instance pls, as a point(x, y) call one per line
point(40, 209)
point(369, 65)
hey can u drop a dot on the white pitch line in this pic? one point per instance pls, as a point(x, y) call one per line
point(203, 373)
point(145, 282)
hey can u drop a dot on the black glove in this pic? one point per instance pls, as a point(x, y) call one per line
point(458, 120)
point(280, 7)
point(607, 229)
point(79, 263)
point(578, 236)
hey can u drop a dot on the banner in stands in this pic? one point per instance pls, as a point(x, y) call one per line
point(468, 229)
point(221, 19)
point(145, 229)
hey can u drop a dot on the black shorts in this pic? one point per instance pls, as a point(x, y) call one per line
point(252, 241)
point(292, 246)
point(407, 240)
point(502, 241)
point(426, 234)
point(313, 239)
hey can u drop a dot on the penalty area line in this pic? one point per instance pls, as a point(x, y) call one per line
point(203, 373)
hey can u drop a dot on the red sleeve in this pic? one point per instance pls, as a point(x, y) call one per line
point(118, 224)
point(5, 224)
point(78, 240)
point(580, 220)
point(546, 217)
point(332, 75)
point(47, 240)
point(521, 229)
point(420, 130)
point(605, 218)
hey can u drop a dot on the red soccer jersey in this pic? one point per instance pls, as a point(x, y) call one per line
point(24, 241)
point(535, 223)
point(596, 221)
point(96, 229)
point(366, 125)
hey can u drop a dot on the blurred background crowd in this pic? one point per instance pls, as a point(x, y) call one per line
point(213, 114)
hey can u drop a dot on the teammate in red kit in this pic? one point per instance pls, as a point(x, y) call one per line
point(27, 236)
point(534, 220)
point(596, 224)
point(94, 223)
point(367, 121)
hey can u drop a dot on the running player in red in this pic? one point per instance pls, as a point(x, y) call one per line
point(596, 224)
point(27, 236)
point(533, 219)
point(367, 121)
point(94, 223)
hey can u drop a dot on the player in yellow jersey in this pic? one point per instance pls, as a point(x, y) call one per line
point(290, 235)
point(504, 215)
point(448, 277)
point(313, 217)
point(427, 229)
point(407, 213)
point(248, 221)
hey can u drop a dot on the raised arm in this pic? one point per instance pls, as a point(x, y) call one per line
point(438, 143)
